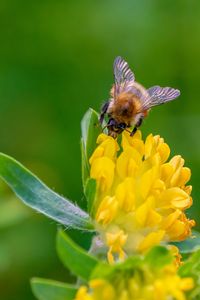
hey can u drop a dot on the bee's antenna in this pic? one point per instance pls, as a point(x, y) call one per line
point(127, 130)
point(124, 129)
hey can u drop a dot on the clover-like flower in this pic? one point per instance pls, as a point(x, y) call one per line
point(141, 196)
point(140, 279)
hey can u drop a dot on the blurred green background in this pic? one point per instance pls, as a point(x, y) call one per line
point(55, 61)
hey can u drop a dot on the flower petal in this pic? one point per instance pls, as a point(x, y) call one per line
point(128, 162)
point(102, 170)
point(151, 240)
point(176, 198)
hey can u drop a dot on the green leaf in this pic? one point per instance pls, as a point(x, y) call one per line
point(84, 165)
point(105, 270)
point(46, 289)
point(191, 268)
point(191, 265)
point(90, 128)
point(158, 257)
point(74, 257)
point(37, 195)
point(90, 192)
point(102, 270)
point(190, 245)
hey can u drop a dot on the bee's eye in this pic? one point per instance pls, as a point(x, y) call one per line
point(122, 125)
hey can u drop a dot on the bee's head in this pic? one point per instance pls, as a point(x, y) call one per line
point(114, 128)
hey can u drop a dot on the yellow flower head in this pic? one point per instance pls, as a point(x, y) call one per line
point(139, 283)
point(141, 195)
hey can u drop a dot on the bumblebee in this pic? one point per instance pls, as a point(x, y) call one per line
point(130, 102)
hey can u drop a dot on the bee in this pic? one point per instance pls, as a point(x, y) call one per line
point(130, 102)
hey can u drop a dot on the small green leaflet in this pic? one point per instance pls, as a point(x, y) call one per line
point(90, 192)
point(90, 128)
point(38, 196)
point(46, 289)
point(191, 268)
point(158, 256)
point(74, 257)
point(190, 245)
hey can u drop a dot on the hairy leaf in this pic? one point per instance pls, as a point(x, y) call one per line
point(37, 195)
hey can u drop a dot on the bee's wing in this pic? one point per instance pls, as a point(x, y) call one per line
point(159, 95)
point(124, 77)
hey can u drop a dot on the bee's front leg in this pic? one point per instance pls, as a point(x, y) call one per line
point(133, 131)
point(103, 111)
point(137, 125)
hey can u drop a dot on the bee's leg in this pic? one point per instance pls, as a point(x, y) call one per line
point(137, 125)
point(133, 131)
point(103, 111)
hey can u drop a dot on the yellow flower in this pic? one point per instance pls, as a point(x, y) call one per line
point(116, 241)
point(141, 195)
point(140, 283)
point(82, 294)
